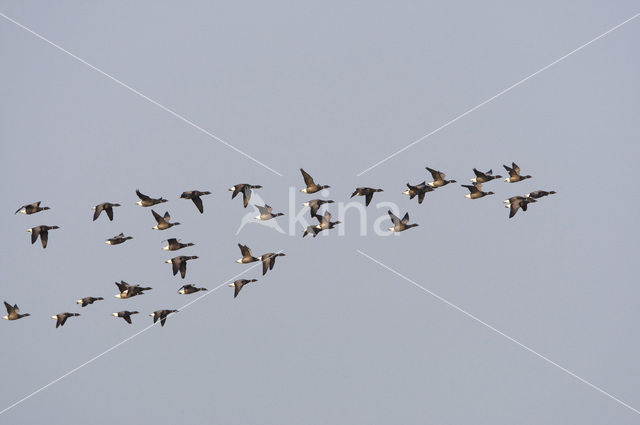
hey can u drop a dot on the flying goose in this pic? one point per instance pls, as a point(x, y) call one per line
point(314, 229)
point(516, 202)
point(315, 205)
point(125, 314)
point(475, 191)
point(238, 284)
point(367, 192)
point(13, 312)
point(61, 318)
point(174, 244)
point(190, 289)
point(106, 207)
point(88, 300)
point(31, 208)
point(484, 177)
point(265, 213)
point(438, 178)
point(180, 263)
point(163, 222)
point(247, 257)
point(195, 195)
point(118, 239)
point(311, 186)
point(400, 225)
point(537, 194)
point(418, 190)
point(146, 201)
point(245, 188)
point(43, 232)
point(269, 260)
point(514, 173)
point(128, 291)
point(324, 224)
point(161, 315)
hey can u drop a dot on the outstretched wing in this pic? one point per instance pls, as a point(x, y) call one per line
point(405, 219)
point(35, 231)
point(394, 218)
point(175, 265)
point(96, 213)
point(157, 216)
point(238, 286)
point(44, 237)
point(142, 196)
point(246, 195)
point(8, 307)
point(196, 200)
point(109, 211)
point(308, 180)
point(183, 269)
point(367, 198)
point(245, 251)
point(127, 318)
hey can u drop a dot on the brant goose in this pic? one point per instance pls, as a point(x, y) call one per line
point(265, 213)
point(400, 225)
point(516, 202)
point(13, 312)
point(324, 224)
point(31, 208)
point(438, 178)
point(125, 314)
point(190, 289)
point(484, 177)
point(163, 222)
point(315, 205)
point(106, 207)
point(367, 192)
point(146, 201)
point(195, 195)
point(418, 190)
point(475, 191)
point(61, 318)
point(514, 173)
point(174, 244)
point(311, 186)
point(88, 300)
point(238, 284)
point(246, 255)
point(43, 232)
point(128, 291)
point(161, 315)
point(269, 260)
point(180, 263)
point(118, 239)
point(537, 194)
point(246, 192)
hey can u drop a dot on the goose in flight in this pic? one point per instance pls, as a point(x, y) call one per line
point(163, 221)
point(13, 312)
point(174, 244)
point(61, 318)
point(238, 284)
point(400, 225)
point(125, 314)
point(31, 208)
point(247, 257)
point(106, 207)
point(475, 191)
point(118, 239)
point(484, 177)
point(180, 263)
point(367, 192)
point(245, 189)
point(195, 195)
point(514, 173)
point(43, 232)
point(438, 178)
point(315, 205)
point(312, 187)
point(265, 213)
point(161, 315)
point(146, 201)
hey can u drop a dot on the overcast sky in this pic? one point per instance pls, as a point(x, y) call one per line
point(327, 336)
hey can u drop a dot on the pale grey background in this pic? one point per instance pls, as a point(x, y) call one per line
point(327, 336)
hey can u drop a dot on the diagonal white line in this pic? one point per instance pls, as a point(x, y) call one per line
point(120, 343)
point(480, 105)
point(532, 351)
point(131, 89)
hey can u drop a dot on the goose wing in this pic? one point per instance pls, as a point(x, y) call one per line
point(367, 199)
point(157, 216)
point(437, 175)
point(308, 180)
point(196, 200)
point(127, 317)
point(183, 269)
point(142, 196)
point(109, 211)
point(394, 218)
point(35, 231)
point(9, 308)
point(405, 219)
point(237, 287)
point(175, 265)
point(44, 237)
point(97, 210)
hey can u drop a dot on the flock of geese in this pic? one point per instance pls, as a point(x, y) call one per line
point(179, 263)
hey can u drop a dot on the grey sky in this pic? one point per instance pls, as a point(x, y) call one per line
point(327, 336)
